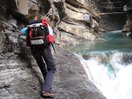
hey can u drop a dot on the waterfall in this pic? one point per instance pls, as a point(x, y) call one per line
point(111, 72)
point(108, 63)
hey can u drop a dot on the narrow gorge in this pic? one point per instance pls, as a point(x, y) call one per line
point(73, 21)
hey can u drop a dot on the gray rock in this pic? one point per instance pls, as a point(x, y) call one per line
point(20, 77)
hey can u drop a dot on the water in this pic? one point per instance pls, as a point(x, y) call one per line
point(107, 42)
point(108, 63)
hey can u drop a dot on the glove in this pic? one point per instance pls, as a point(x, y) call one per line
point(50, 38)
point(44, 22)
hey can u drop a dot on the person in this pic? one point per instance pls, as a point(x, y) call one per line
point(41, 54)
point(44, 59)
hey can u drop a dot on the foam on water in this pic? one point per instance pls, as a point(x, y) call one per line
point(115, 83)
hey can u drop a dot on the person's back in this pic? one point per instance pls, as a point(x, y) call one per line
point(39, 33)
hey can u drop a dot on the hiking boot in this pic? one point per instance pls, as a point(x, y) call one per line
point(48, 94)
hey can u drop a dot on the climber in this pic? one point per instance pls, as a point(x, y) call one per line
point(39, 37)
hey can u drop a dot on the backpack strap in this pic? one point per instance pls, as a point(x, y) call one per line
point(30, 32)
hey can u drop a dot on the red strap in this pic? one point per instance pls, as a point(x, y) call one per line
point(44, 22)
point(30, 33)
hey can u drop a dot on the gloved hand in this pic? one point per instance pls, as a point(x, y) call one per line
point(44, 22)
point(50, 38)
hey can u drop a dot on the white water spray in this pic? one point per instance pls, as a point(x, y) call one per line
point(114, 81)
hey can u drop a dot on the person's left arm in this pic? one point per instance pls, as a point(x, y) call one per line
point(50, 37)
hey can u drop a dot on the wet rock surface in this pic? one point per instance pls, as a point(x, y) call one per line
point(71, 79)
point(19, 80)
point(20, 77)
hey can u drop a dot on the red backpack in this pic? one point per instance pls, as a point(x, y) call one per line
point(38, 34)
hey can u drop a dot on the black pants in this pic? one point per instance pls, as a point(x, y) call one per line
point(43, 56)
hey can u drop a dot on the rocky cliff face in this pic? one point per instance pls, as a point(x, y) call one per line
point(20, 78)
point(83, 18)
point(76, 17)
